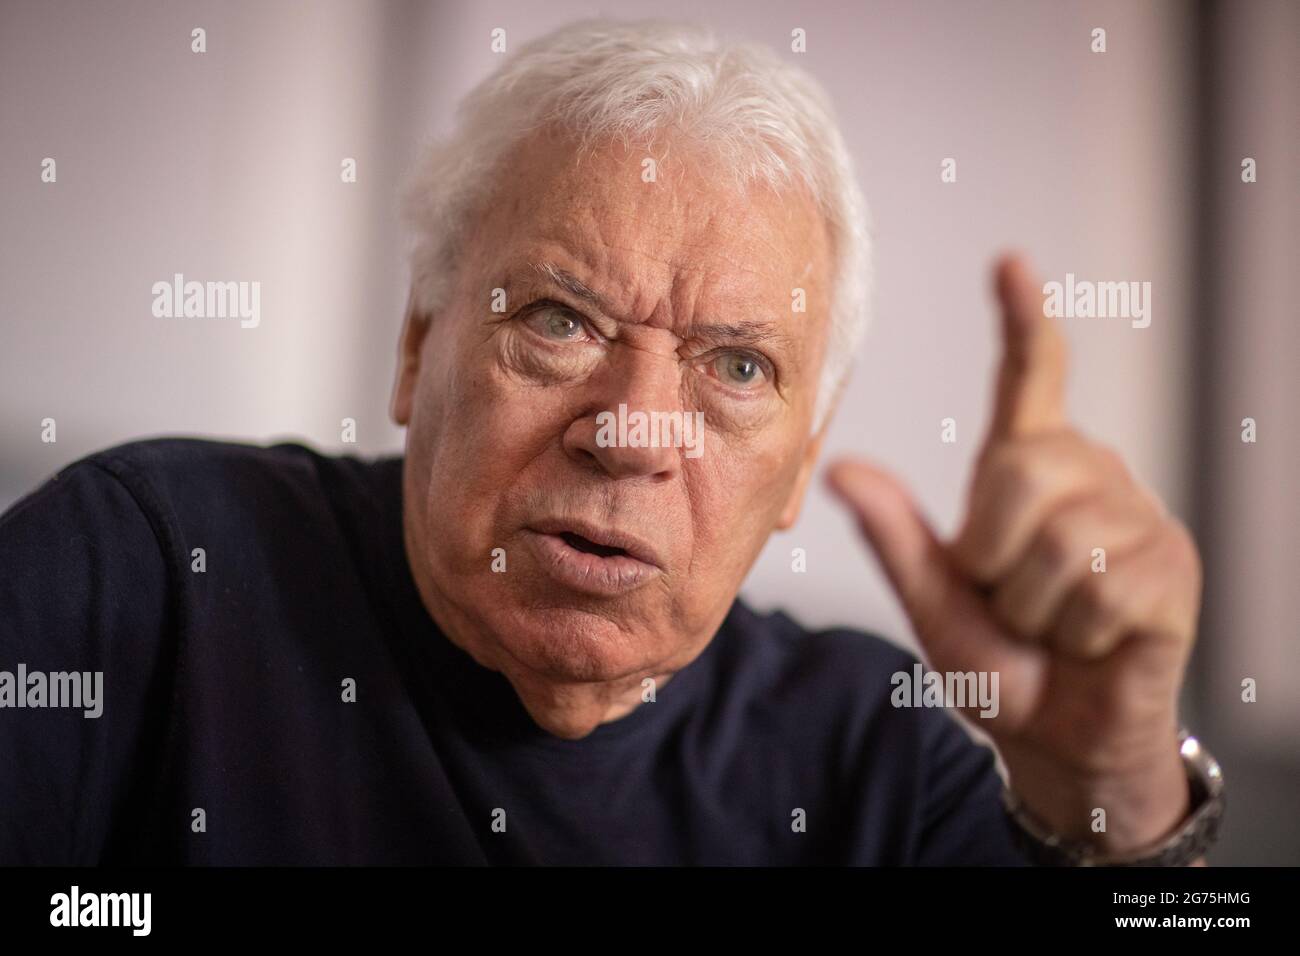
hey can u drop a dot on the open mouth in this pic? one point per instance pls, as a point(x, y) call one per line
point(594, 560)
point(587, 546)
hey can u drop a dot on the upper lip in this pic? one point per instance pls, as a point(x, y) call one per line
point(635, 547)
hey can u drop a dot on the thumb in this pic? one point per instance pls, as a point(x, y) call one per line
point(909, 551)
point(949, 616)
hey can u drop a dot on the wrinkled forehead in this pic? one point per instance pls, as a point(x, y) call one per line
point(659, 232)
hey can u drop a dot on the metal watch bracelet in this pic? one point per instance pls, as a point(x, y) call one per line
point(1185, 845)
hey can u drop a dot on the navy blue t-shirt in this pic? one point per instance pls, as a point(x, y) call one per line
point(225, 737)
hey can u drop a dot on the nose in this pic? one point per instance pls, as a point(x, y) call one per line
point(606, 435)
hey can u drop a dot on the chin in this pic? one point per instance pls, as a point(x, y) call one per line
point(577, 645)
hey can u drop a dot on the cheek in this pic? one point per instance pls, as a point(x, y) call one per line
point(474, 431)
point(736, 498)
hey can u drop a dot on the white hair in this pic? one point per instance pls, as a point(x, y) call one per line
point(765, 119)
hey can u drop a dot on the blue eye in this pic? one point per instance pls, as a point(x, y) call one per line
point(557, 324)
point(737, 368)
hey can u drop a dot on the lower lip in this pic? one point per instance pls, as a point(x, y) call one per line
point(589, 573)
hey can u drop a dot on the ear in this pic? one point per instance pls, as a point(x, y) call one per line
point(414, 329)
point(793, 504)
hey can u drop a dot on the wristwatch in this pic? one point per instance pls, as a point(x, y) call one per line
point(1185, 845)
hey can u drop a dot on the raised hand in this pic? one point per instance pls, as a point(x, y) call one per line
point(1089, 662)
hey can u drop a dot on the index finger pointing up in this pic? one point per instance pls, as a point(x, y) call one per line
point(1031, 381)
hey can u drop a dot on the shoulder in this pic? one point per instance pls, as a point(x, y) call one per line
point(171, 494)
point(191, 468)
point(173, 467)
point(204, 484)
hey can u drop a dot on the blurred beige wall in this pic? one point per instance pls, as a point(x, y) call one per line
point(221, 166)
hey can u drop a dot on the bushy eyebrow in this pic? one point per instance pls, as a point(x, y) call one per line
point(739, 333)
point(570, 283)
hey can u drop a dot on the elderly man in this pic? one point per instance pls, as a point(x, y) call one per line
point(520, 642)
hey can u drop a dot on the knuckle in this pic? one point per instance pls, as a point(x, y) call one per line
point(1184, 554)
point(1022, 474)
point(1057, 546)
point(991, 466)
point(1096, 597)
point(1007, 603)
point(1110, 458)
point(1111, 463)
